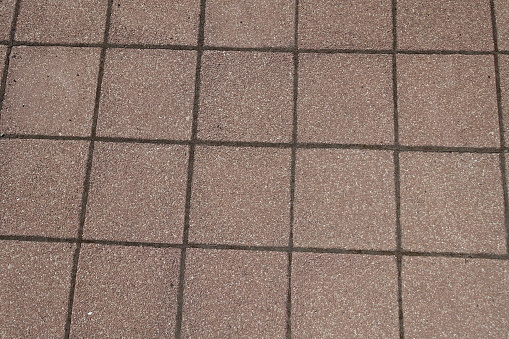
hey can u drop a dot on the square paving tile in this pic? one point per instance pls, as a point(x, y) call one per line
point(345, 99)
point(364, 24)
point(344, 198)
point(62, 21)
point(137, 192)
point(41, 186)
point(452, 202)
point(250, 23)
point(34, 279)
point(147, 94)
point(344, 296)
point(502, 14)
point(155, 22)
point(246, 96)
point(241, 196)
point(447, 25)
point(6, 14)
point(50, 90)
point(128, 292)
point(447, 100)
point(455, 298)
point(235, 294)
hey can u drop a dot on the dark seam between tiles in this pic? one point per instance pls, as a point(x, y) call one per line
point(190, 172)
point(397, 185)
point(257, 248)
point(503, 171)
point(293, 167)
point(5, 69)
point(88, 172)
point(283, 145)
point(259, 49)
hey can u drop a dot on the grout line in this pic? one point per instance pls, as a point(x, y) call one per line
point(5, 70)
point(190, 172)
point(86, 182)
point(292, 169)
point(501, 126)
point(397, 174)
point(239, 247)
point(257, 49)
point(284, 145)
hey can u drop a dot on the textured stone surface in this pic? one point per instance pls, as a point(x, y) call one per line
point(41, 187)
point(50, 90)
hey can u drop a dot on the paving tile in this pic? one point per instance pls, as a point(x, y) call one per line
point(41, 186)
point(155, 22)
point(344, 296)
point(241, 196)
point(344, 198)
point(61, 21)
point(34, 279)
point(125, 292)
point(455, 298)
point(137, 193)
point(6, 14)
point(503, 63)
point(364, 24)
point(502, 15)
point(235, 294)
point(147, 94)
point(3, 51)
point(452, 202)
point(246, 96)
point(345, 99)
point(50, 90)
point(447, 100)
point(447, 25)
point(250, 23)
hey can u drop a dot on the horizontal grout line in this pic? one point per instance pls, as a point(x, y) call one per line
point(307, 145)
point(284, 249)
point(256, 49)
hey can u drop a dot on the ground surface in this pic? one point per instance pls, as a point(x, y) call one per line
point(254, 169)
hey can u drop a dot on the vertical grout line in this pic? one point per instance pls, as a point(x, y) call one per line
point(5, 72)
point(292, 169)
point(190, 172)
point(86, 182)
point(397, 184)
point(501, 127)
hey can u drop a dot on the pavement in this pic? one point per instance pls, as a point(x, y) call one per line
point(254, 169)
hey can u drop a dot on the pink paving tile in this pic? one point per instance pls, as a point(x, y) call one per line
point(6, 14)
point(452, 202)
point(137, 193)
point(502, 17)
point(41, 186)
point(34, 280)
point(250, 23)
point(344, 296)
point(50, 90)
point(447, 25)
point(455, 298)
point(147, 94)
point(62, 21)
point(241, 196)
point(235, 294)
point(155, 22)
point(345, 99)
point(344, 198)
point(128, 292)
point(447, 100)
point(246, 96)
point(364, 24)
